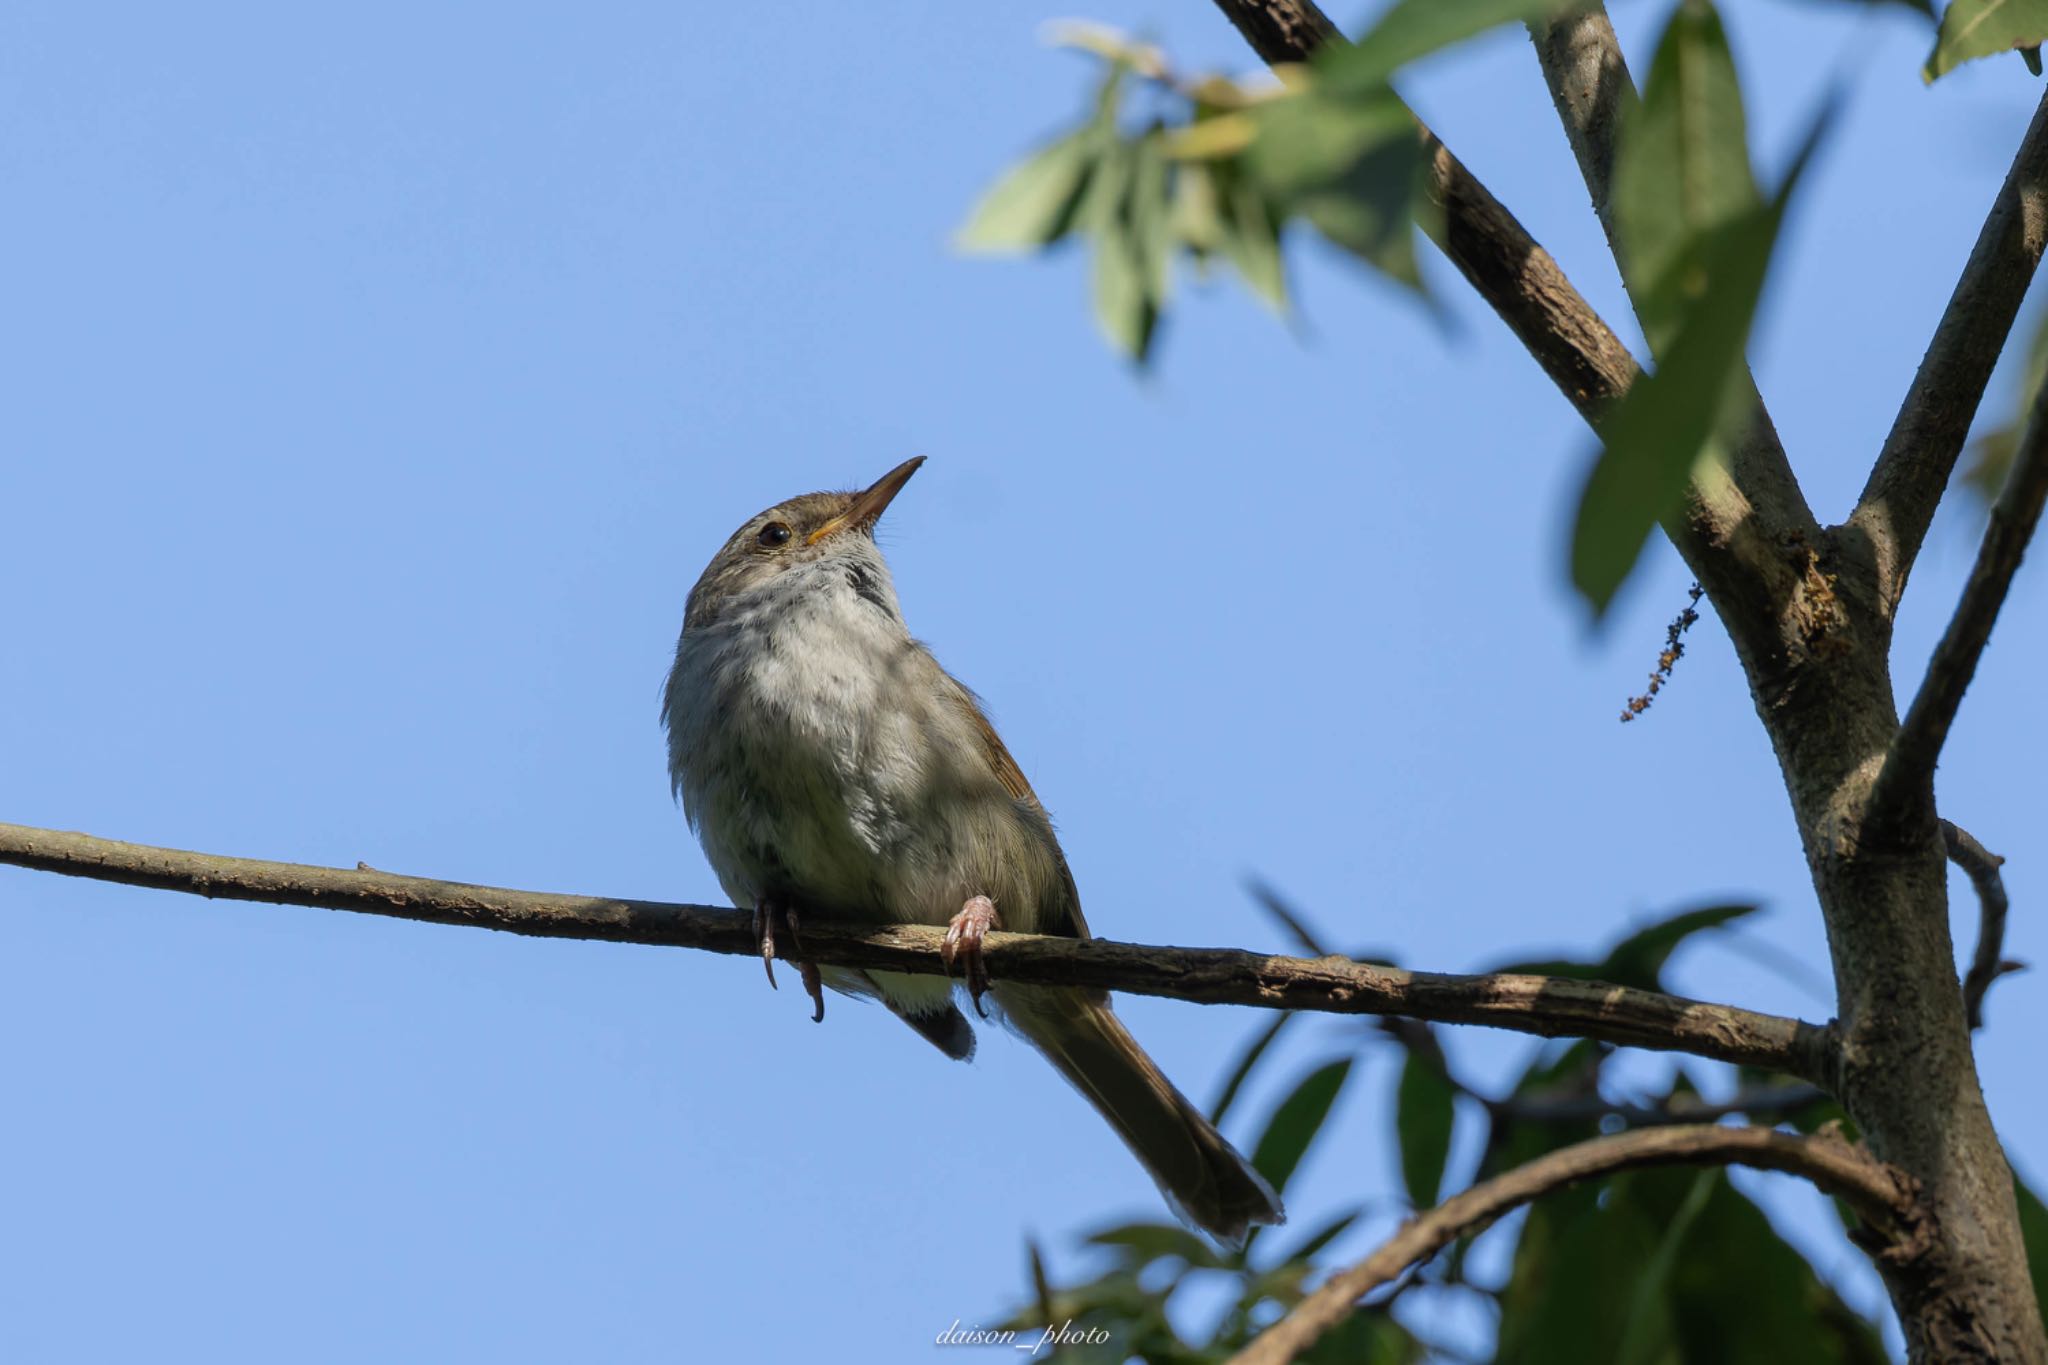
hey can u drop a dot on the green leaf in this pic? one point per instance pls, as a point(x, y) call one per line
point(1296, 1122)
point(1312, 139)
point(1352, 166)
point(1664, 429)
point(1412, 29)
point(1654, 1270)
point(1196, 219)
point(1646, 1307)
point(1150, 221)
point(2034, 1234)
point(1992, 453)
point(1124, 306)
point(1425, 1111)
point(1565, 1073)
point(1639, 959)
point(1251, 239)
point(1242, 1072)
point(1681, 169)
point(1739, 1291)
point(1924, 8)
point(1144, 1243)
point(1571, 1289)
point(1033, 204)
point(1979, 28)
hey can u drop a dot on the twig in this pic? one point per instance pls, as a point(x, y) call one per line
point(1909, 763)
point(1881, 1196)
point(1989, 962)
point(1674, 650)
point(1547, 1006)
point(1772, 1100)
point(1919, 454)
point(1420, 1041)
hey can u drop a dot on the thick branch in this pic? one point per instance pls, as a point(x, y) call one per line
point(1913, 469)
point(1908, 773)
point(1880, 1195)
point(1989, 962)
point(1548, 1006)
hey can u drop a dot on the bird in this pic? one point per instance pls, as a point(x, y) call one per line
point(831, 768)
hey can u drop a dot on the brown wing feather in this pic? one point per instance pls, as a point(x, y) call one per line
point(1012, 777)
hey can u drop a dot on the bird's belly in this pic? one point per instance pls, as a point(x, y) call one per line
point(803, 782)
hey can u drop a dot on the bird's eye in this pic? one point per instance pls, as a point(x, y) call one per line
point(774, 533)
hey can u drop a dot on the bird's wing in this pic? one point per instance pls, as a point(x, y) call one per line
point(1012, 777)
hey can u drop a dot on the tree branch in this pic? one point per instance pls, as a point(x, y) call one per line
point(1547, 1006)
point(1591, 87)
point(1881, 1196)
point(1913, 468)
point(1989, 962)
point(1730, 535)
point(1905, 781)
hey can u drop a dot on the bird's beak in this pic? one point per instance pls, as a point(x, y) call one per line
point(866, 509)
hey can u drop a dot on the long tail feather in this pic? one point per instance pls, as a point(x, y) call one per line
point(1200, 1173)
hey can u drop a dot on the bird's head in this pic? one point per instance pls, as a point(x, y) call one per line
point(817, 533)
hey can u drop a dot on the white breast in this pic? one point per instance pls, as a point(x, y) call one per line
point(822, 754)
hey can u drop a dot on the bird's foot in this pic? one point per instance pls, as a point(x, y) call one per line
point(963, 940)
point(771, 918)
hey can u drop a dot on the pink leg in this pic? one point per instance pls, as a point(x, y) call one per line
point(767, 914)
point(963, 940)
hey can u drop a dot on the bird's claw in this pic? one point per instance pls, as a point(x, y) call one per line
point(963, 940)
point(768, 915)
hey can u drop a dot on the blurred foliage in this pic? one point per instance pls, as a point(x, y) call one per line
point(1982, 28)
point(1167, 170)
point(1671, 1265)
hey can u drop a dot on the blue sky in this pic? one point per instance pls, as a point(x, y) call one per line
point(375, 387)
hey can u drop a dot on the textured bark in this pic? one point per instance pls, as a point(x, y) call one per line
point(1544, 1005)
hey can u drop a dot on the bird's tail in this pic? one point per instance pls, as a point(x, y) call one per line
point(1201, 1174)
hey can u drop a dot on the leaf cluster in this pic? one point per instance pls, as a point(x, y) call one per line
point(1224, 171)
point(1666, 1265)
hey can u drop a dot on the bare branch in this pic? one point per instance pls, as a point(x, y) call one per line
point(1907, 777)
point(1912, 470)
point(1881, 1196)
point(1989, 962)
point(1547, 1006)
point(1591, 87)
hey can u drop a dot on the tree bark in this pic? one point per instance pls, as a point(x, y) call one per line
point(1548, 1006)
